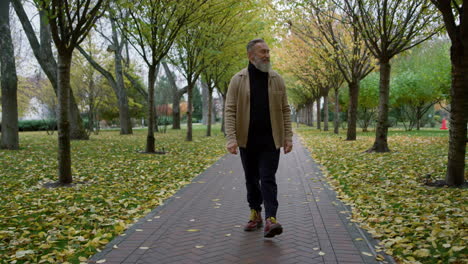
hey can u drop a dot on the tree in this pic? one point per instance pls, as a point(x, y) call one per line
point(151, 28)
point(176, 96)
point(9, 82)
point(232, 30)
point(70, 22)
point(322, 24)
point(197, 46)
point(43, 53)
point(222, 33)
point(318, 71)
point(89, 86)
point(389, 28)
point(368, 100)
point(454, 14)
point(197, 103)
point(413, 96)
point(117, 82)
point(189, 58)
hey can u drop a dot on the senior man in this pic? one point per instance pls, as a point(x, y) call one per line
point(257, 121)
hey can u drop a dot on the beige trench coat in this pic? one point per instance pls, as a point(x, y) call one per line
point(237, 109)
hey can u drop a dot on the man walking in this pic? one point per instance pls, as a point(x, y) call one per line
point(257, 121)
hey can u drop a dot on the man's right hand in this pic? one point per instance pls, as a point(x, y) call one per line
point(232, 148)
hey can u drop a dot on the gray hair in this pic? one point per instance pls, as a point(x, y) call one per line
point(253, 42)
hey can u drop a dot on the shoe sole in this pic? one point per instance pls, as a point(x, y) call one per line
point(253, 229)
point(274, 232)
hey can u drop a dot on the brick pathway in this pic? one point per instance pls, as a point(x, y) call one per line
point(203, 222)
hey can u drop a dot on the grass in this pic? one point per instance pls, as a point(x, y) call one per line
point(415, 223)
point(120, 185)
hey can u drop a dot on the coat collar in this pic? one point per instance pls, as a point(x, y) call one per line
point(271, 73)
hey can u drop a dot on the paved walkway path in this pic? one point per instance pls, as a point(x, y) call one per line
point(202, 223)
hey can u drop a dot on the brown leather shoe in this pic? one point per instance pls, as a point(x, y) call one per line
point(272, 227)
point(255, 221)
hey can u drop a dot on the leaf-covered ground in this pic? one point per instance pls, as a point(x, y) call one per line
point(415, 223)
point(120, 185)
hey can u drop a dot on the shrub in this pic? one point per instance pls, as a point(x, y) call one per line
point(37, 125)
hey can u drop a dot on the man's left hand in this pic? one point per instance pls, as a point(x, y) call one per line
point(287, 146)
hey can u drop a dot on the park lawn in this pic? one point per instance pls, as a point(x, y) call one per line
point(415, 223)
point(119, 186)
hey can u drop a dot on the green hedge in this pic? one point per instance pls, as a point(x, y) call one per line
point(36, 125)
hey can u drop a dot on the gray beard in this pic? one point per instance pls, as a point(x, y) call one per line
point(263, 67)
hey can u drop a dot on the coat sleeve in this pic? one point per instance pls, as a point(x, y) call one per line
point(288, 134)
point(230, 110)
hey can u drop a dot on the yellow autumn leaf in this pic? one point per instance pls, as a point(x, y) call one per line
point(458, 248)
point(422, 253)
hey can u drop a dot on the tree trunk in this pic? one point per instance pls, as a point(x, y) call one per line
point(156, 121)
point(205, 111)
point(299, 116)
point(319, 116)
point(124, 111)
point(210, 106)
point(352, 110)
point(418, 118)
point(365, 122)
point(381, 131)
point(336, 119)
point(306, 115)
point(91, 105)
point(176, 114)
point(189, 111)
point(9, 82)
point(176, 95)
point(150, 137)
point(325, 111)
point(458, 115)
point(63, 78)
point(224, 105)
point(45, 57)
point(77, 128)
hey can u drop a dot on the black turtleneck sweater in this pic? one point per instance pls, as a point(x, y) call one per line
point(260, 133)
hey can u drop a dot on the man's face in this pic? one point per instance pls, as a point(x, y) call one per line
point(260, 56)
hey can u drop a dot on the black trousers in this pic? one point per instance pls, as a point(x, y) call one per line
point(260, 168)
